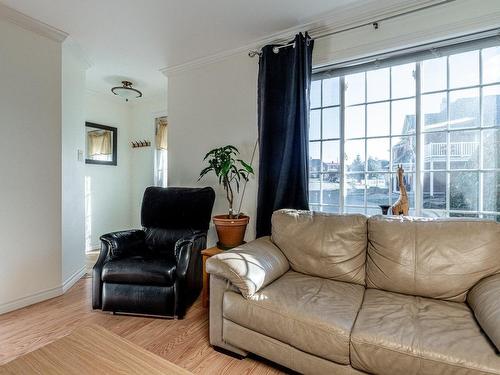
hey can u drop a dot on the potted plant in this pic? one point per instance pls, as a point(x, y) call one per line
point(231, 172)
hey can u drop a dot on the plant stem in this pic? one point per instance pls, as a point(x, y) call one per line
point(246, 181)
point(229, 195)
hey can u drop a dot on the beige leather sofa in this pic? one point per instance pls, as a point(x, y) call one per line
point(344, 294)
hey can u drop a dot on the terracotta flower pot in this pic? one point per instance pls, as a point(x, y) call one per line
point(231, 232)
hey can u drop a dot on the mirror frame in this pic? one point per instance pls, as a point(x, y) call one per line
point(115, 142)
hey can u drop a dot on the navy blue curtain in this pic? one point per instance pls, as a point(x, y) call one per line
point(283, 101)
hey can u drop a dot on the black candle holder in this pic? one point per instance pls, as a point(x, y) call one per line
point(385, 208)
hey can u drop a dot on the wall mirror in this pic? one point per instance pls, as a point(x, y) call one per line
point(100, 144)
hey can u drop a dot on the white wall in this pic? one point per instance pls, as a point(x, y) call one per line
point(73, 140)
point(30, 167)
point(144, 113)
point(110, 191)
point(209, 107)
point(116, 191)
point(215, 104)
point(42, 114)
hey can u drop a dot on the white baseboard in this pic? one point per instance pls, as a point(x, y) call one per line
point(94, 247)
point(43, 295)
point(30, 300)
point(70, 281)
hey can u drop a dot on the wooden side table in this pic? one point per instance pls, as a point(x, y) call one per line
point(207, 253)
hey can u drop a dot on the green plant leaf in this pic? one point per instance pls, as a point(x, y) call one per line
point(247, 167)
point(229, 170)
point(226, 166)
point(204, 172)
point(211, 152)
point(232, 149)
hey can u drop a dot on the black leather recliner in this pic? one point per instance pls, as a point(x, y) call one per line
point(156, 270)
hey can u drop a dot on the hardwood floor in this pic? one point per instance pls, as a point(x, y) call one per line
point(91, 349)
point(183, 342)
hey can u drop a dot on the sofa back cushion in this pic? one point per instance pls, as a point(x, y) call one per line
point(436, 258)
point(321, 244)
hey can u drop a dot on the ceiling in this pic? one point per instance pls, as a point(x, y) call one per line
point(133, 39)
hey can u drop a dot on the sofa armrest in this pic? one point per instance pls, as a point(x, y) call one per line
point(218, 287)
point(124, 242)
point(250, 267)
point(484, 299)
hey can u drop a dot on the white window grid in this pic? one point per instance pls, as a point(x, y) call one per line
point(419, 170)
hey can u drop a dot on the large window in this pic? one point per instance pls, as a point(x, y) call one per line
point(438, 117)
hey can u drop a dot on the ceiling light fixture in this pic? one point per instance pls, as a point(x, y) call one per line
point(126, 91)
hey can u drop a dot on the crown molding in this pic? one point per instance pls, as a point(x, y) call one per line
point(76, 50)
point(347, 16)
point(31, 24)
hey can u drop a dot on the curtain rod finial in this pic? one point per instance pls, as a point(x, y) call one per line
point(254, 53)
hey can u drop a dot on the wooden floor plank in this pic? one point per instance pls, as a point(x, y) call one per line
point(183, 342)
point(91, 350)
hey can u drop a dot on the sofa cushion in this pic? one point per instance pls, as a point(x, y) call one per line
point(324, 245)
point(399, 334)
point(251, 266)
point(140, 270)
point(437, 258)
point(312, 314)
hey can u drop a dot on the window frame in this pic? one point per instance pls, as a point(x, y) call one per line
point(420, 170)
point(161, 167)
point(160, 158)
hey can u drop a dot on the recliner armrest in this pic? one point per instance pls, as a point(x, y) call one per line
point(113, 245)
point(251, 266)
point(96, 276)
point(124, 242)
point(484, 299)
point(186, 251)
point(189, 270)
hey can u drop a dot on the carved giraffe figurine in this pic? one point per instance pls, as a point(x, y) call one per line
point(401, 207)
